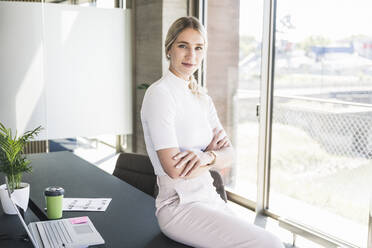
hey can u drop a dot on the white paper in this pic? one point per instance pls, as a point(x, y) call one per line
point(85, 204)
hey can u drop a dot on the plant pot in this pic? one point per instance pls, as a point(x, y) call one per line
point(19, 196)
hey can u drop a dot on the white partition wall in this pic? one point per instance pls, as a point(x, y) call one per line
point(67, 68)
point(22, 85)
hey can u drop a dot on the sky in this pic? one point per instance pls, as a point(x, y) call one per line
point(334, 19)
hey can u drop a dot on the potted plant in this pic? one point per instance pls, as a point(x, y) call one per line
point(13, 164)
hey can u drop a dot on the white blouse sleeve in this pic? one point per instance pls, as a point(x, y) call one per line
point(158, 114)
point(213, 117)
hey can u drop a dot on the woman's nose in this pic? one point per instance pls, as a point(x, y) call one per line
point(191, 53)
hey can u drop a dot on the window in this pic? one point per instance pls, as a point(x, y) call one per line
point(321, 136)
point(320, 155)
point(233, 81)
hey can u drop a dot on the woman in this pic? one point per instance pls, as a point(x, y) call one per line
point(184, 140)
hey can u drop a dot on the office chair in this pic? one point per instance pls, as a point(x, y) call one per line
point(137, 170)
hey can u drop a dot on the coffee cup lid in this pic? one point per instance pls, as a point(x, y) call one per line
point(54, 191)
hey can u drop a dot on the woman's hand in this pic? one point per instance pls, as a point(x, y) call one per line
point(218, 143)
point(191, 160)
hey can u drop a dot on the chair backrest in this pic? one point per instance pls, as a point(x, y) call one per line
point(137, 170)
point(218, 184)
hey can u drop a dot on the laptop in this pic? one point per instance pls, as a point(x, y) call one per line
point(63, 233)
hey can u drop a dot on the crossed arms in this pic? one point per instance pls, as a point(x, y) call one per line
point(190, 163)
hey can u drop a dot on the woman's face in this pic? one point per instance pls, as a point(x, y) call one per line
point(186, 53)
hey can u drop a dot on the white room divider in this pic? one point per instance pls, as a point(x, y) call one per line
point(67, 68)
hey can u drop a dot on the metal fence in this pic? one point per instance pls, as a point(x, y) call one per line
point(341, 128)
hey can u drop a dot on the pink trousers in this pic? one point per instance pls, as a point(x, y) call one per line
point(191, 212)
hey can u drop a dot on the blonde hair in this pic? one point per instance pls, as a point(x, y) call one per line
point(174, 31)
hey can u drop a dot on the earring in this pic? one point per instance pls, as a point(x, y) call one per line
point(168, 56)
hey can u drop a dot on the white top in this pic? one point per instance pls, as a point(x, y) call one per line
point(172, 116)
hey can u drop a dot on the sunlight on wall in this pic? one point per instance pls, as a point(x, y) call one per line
point(67, 21)
point(30, 92)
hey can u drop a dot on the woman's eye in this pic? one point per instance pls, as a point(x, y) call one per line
point(199, 48)
point(182, 46)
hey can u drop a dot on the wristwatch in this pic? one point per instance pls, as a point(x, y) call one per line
point(214, 155)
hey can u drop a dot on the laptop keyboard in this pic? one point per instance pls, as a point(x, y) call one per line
point(56, 233)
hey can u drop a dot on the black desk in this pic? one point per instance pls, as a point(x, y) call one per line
point(11, 226)
point(129, 220)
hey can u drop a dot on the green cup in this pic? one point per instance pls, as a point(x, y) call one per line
point(53, 199)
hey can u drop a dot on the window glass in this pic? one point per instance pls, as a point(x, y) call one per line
point(247, 98)
point(321, 158)
point(233, 81)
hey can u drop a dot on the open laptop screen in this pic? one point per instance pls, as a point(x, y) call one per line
point(19, 214)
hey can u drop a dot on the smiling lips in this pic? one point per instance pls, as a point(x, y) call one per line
point(188, 65)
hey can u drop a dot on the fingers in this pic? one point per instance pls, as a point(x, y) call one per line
point(227, 143)
point(224, 142)
point(196, 165)
point(218, 134)
point(216, 142)
point(185, 157)
point(189, 160)
point(180, 155)
point(191, 165)
point(221, 142)
point(215, 139)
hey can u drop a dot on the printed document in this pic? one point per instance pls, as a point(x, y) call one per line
point(85, 204)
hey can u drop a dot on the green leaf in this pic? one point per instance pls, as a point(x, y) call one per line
point(12, 161)
point(143, 86)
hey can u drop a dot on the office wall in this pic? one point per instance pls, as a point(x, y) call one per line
point(152, 20)
point(223, 58)
point(67, 68)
